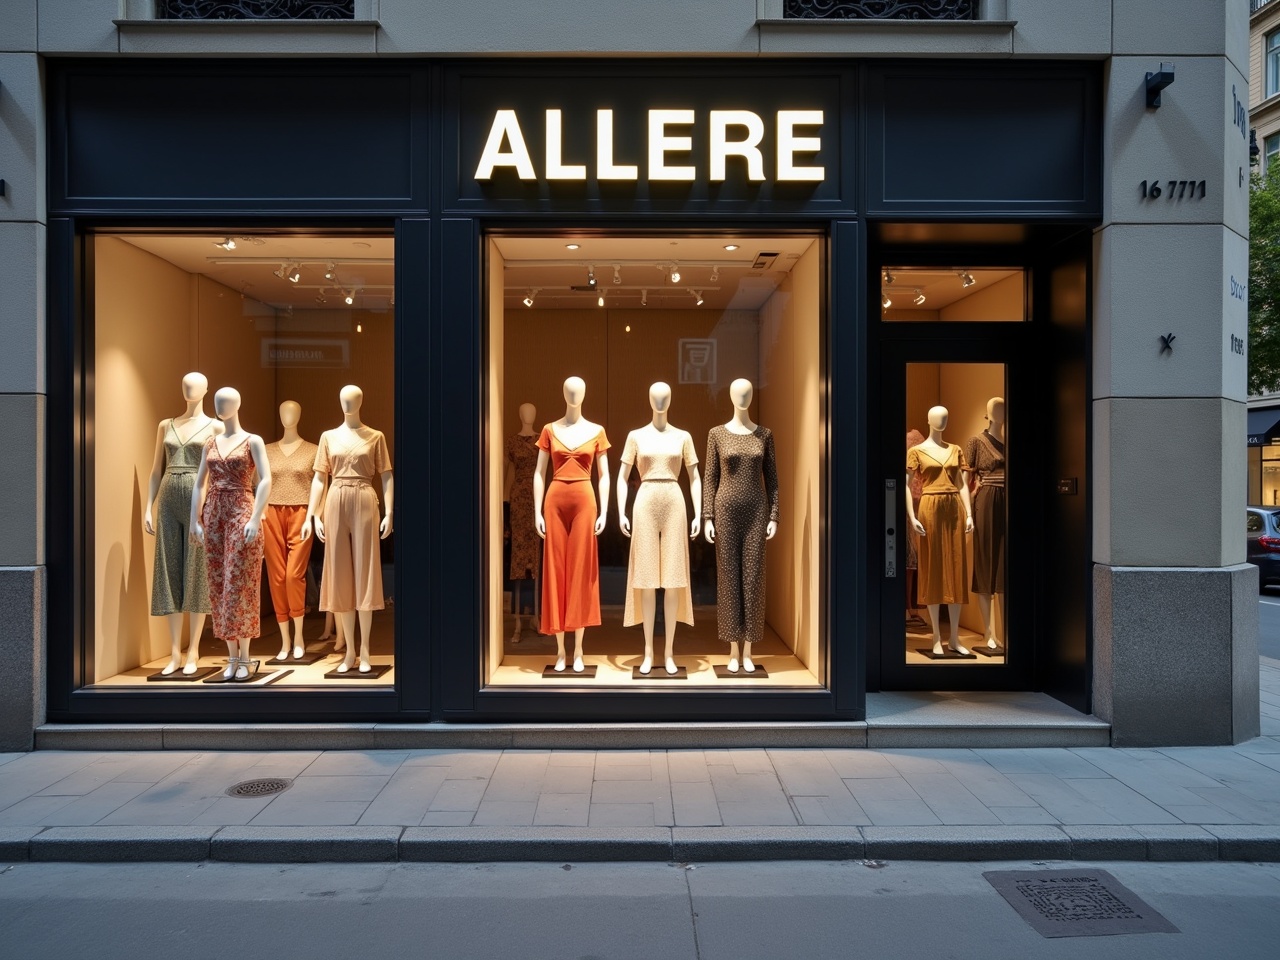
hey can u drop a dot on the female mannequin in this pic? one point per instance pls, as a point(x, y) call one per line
point(180, 580)
point(659, 547)
point(291, 459)
point(350, 456)
point(741, 515)
point(916, 486)
point(985, 454)
point(571, 562)
point(945, 517)
point(226, 513)
point(522, 462)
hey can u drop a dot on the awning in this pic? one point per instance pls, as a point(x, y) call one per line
point(1264, 426)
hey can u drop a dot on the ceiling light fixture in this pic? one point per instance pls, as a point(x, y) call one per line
point(885, 301)
point(228, 244)
point(644, 298)
point(715, 273)
point(731, 247)
point(528, 299)
point(675, 273)
point(919, 298)
point(591, 276)
point(350, 298)
point(617, 273)
point(295, 275)
point(321, 298)
point(697, 298)
point(571, 246)
point(331, 273)
point(888, 277)
point(966, 279)
point(359, 328)
point(282, 272)
point(600, 300)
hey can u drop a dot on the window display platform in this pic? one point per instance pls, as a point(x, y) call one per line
point(920, 641)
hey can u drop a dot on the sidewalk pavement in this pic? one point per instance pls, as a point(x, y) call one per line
point(1176, 803)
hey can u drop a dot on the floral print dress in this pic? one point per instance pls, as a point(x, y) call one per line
point(235, 567)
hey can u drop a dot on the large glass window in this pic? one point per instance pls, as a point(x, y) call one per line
point(1270, 150)
point(690, 369)
point(1272, 78)
point(1270, 492)
point(214, 356)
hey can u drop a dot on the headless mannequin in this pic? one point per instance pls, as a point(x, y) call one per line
point(351, 398)
point(995, 416)
point(740, 394)
point(226, 404)
point(573, 430)
point(660, 404)
point(290, 414)
point(938, 449)
point(192, 421)
point(528, 414)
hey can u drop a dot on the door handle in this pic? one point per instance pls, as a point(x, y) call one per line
point(890, 534)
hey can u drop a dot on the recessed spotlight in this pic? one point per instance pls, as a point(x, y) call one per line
point(600, 301)
point(731, 247)
point(359, 328)
point(675, 273)
point(627, 328)
point(571, 246)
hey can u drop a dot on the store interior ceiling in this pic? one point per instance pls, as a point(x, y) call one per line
point(939, 286)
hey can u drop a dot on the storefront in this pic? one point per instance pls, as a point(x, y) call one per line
point(460, 240)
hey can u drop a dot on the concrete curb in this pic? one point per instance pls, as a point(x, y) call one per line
point(262, 844)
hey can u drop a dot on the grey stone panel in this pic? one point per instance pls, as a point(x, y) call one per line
point(22, 135)
point(22, 651)
point(88, 736)
point(78, 26)
point(885, 737)
point(270, 736)
point(21, 478)
point(690, 844)
point(244, 38)
point(1105, 842)
point(1246, 680)
point(22, 325)
point(415, 736)
point(314, 844)
point(1179, 27)
point(535, 844)
point(19, 19)
point(1049, 29)
point(1166, 645)
point(1256, 843)
point(967, 843)
point(1179, 842)
point(15, 843)
point(122, 844)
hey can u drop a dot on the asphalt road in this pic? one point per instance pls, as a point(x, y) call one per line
point(1269, 623)
point(722, 911)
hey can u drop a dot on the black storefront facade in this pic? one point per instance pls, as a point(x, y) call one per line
point(895, 171)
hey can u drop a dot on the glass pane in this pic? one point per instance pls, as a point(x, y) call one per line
point(956, 469)
point(1255, 474)
point(701, 363)
point(218, 353)
point(955, 295)
point(1273, 64)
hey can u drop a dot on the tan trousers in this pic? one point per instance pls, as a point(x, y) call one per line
point(352, 575)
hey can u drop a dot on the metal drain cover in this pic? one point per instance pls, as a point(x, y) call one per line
point(1076, 903)
point(264, 787)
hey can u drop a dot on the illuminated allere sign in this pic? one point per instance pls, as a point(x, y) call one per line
point(732, 134)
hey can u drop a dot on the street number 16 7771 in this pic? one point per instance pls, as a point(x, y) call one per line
point(1174, 190)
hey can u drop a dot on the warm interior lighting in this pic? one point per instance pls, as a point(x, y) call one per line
point(885, 301)
point(919, 298)
point(966, 279)
point(731, 247)
point(675, 273)
point(228, 244)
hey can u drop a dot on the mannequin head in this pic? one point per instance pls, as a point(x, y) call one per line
point(995, 410)
point(528, 413)
point(351, 397)
point(740, 393)
point(290, 413)
point(575, 391)
point(226, 403)
point(660, 397)
point(194, 386)
point(938, 417)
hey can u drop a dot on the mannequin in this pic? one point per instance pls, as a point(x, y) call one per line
point(659, 547)
point(226, 516)
point(740, 455)
point(287, 554)
point(916, 486)
point(985, 454)
point(180, 579)
point(350, 456)
point(946, 515)
point(526, 558)
point(563, 518)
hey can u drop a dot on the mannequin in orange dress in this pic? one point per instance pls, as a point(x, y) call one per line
point(562, 514)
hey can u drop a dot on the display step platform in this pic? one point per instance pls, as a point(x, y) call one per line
point(894, 720)
point(179, 677)
point(722, 671)
point(659, 672)
point(291, 661)
point(375, 671)
point(588, 672)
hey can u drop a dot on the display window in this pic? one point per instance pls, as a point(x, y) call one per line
point(953, 294)
point(241, 461)
point(1269, 486)
point(655, 461)
point(956, 497)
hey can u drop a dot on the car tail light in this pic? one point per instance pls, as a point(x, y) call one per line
point(1270, 543)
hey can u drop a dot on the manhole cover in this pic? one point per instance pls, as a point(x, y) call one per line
point(259, 788)
point(1076, 903)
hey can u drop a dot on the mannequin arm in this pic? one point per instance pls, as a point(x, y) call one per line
point(263, 493)
point(624, 474)
point(388, 502)
point(712, 463)
point(197, 499)
point(968, 508)
point(695, 491)
point(153, 483)
point(539, 488)
point(916, 525)
point(313, 508)
point(602, 462)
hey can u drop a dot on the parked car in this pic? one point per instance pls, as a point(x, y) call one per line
point(1262, 527)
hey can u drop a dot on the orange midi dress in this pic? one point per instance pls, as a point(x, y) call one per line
point(943, 575)
point(570, 558)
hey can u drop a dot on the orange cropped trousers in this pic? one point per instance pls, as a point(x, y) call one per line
point(287, 555)
point(570, 558)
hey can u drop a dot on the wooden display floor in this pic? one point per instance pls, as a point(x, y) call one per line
point(921, 638)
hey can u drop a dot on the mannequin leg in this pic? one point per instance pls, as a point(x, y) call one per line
point(648, 614)
point(328, 627)
point(934, 613)
point(988, 625)
point(299, 645)
point(517, 595)
point(366, 631)
point(670, 610)
point(953, 611)
point(233, 659)
point(284, 640)
point(346, 622)
point(560, 652)
point(196, 628)
point(733, 656)
point(747, 665)
point(174, 621)
point(577, 649)
point(995, 638)
point(242, 669)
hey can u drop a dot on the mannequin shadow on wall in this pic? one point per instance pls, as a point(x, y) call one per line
point(127, 605)
point(804, 625)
